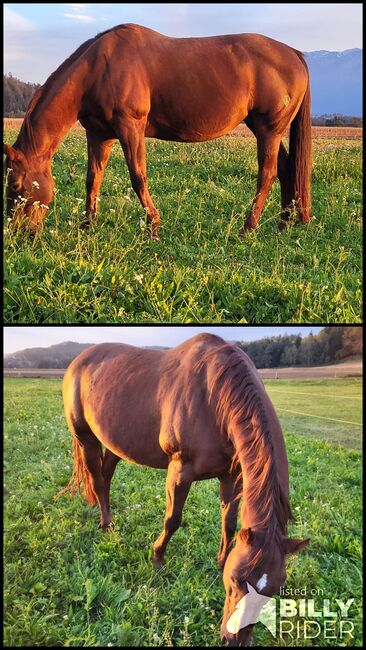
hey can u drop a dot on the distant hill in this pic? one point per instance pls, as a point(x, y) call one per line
point(336, 81)
point(17, 95)
point(54, 356)
point(336, 85)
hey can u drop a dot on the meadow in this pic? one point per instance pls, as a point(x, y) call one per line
point(69, 584)
point(201, 271)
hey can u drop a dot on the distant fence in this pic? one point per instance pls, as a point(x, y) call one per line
point(353, 368)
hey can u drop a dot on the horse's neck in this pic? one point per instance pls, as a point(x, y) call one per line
point(262, 487)
point(51, 118)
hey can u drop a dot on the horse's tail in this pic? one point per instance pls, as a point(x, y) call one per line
point(80, 474)
point(300, 156)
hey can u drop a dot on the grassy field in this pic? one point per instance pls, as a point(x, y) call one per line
point(201, 271)
point(69, 584)
point(330, 409)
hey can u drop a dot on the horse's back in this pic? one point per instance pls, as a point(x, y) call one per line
point(189, 89)
point(112, 388)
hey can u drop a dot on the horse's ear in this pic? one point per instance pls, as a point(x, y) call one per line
point(12, 153)
point(246, 535)
point(294, 545)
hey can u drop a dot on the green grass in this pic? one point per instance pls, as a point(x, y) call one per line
point(201, 271)
point(338, 402)
point(69, 584)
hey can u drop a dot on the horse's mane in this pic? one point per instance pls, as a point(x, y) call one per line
point(233, 391)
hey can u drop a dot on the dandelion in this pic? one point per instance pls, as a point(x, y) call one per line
point(186, 620)
point(139, 277)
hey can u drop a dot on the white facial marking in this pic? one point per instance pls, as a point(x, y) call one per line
point(262, 582)
point(246, 611)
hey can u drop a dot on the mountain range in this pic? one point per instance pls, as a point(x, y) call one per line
point(336, 81)
point(54, 356)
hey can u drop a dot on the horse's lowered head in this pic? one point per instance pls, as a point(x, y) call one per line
point(29, 188)
point(254, 571)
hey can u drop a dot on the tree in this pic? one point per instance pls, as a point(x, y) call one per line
point(17, 95)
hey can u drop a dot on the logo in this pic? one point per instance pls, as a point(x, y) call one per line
point(307, 617)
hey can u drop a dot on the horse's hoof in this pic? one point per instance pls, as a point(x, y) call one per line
point(84, 224)
point(151, 237)
point(245, 230)
point(158, 562)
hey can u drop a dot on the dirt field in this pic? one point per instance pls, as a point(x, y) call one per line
point(351, 368)
point(338, 370)
point(337, 132)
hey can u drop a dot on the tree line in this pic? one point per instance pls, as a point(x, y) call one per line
point(336, 119)
point(332, 344)
point(17, 95)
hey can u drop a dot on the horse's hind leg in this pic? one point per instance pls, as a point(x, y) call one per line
point(92, 454)
point(109, 464)
point(99, 151)
point(230, 491)
point(284, 178)
point(178, 482)
point(131, 133)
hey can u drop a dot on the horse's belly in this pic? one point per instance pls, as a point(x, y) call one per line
point(146, 455)
point(133, 441)
point(194, 123)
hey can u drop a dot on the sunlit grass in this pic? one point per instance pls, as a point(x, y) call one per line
point(201, 271)
point(69, 584)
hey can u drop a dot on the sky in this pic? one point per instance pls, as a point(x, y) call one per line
point(19, 338)
point(38, 37)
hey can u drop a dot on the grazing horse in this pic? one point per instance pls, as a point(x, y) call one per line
point(200, 411)
point(131, 82)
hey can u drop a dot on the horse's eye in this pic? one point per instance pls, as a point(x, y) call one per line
point(16, 186)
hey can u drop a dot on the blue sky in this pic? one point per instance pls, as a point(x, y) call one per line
point(19, 338)
point(38, 37)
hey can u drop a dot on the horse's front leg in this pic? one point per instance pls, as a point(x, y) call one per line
point(131, 133)
point(230, 491)
point(178, 482)
point(99, 151)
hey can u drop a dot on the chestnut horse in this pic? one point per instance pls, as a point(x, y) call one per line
point(130, 82)
point(200, 411)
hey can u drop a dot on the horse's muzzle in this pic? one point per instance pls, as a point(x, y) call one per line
point(236, 643)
